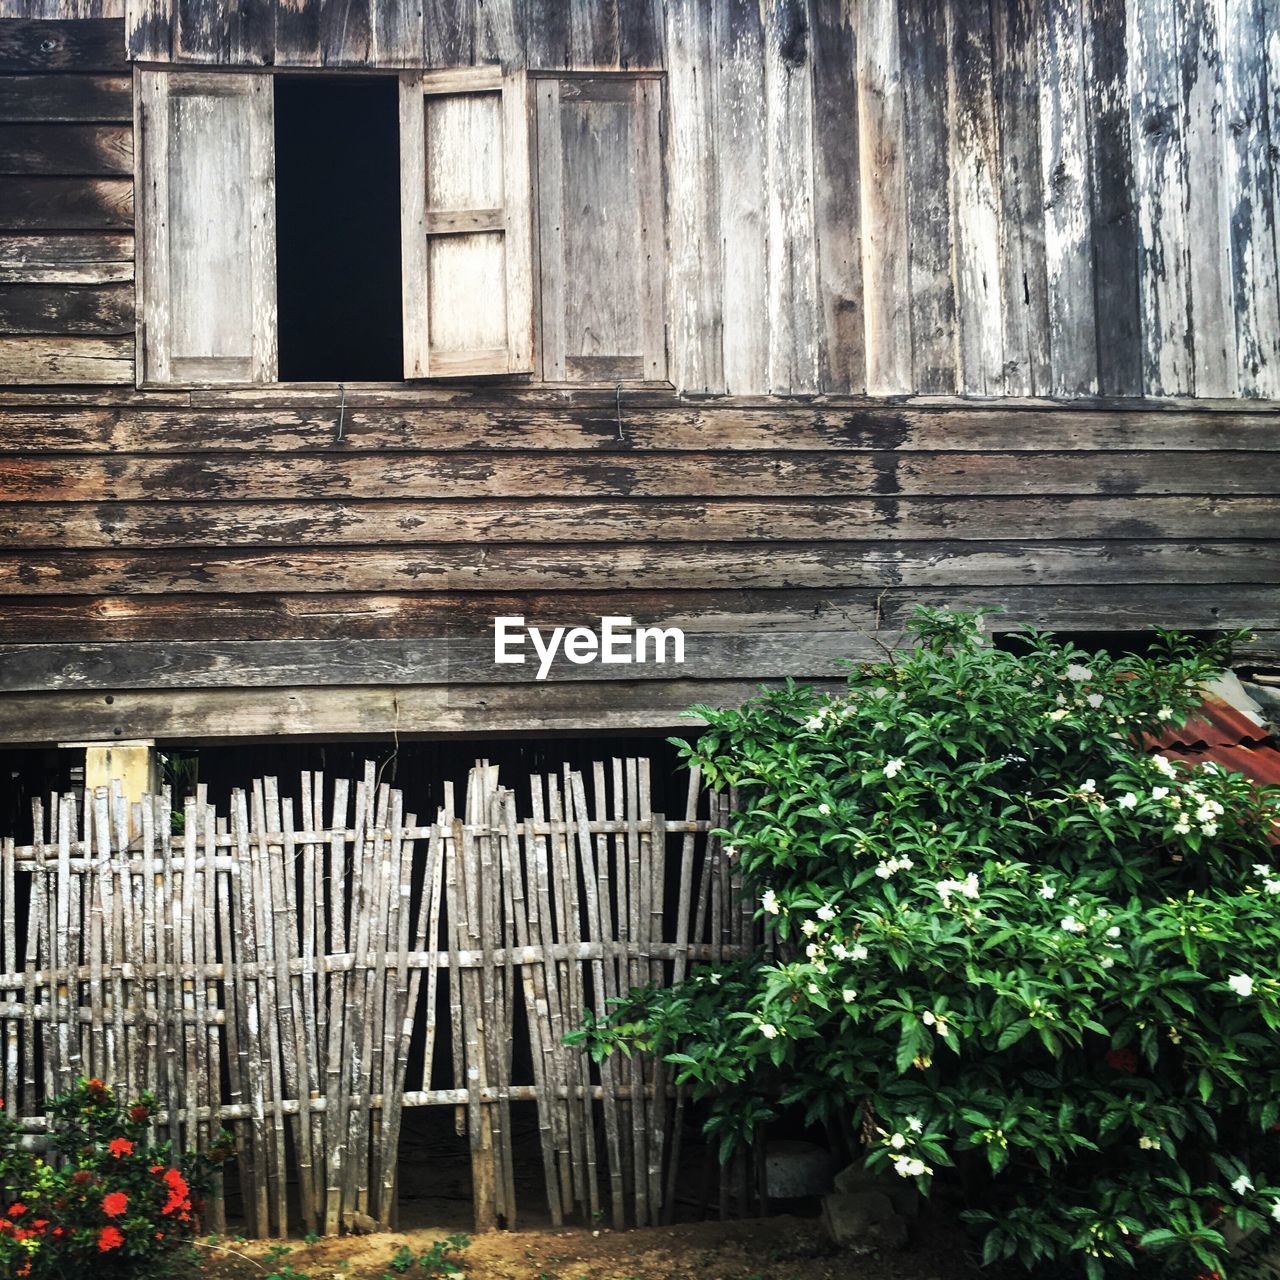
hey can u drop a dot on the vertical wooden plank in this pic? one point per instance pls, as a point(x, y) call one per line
point(501, 30)
point(975, 197)
point(794, 309)
point(738, 39)
point(346, 32)
point(297, 35)
point(1115, 231)
point(593, 34)
point(1160, 174)
point(1205, 127)
point(224, 32)
point(882, 184)
point(517, 241)
point(697, 295)
point(149, 30)
point(398, 33)
point(842, 357)
point(548, 40)
point(449, 32)
point(931, 230)
point(1251, 163)
point(1024, 305)
point(640, 34)
point(335, 1083)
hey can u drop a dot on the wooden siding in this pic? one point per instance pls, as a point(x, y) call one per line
point(66, 203)
point(164, 553)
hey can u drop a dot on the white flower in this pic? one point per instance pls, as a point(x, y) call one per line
point(1107, 962)
point(714, 979)
point(1210, 828)
point(969, 886)
point(897, 1142)
point(1060, 714)
point(1271, 886)
point(1088, 786)
point(1183, 825)
point(768, 1030)
point(824, 809)
point(893, 768)
point(826, 912)
point(849, 994)
point(928, 1018)
point(809, 928)
point(813, 950)
point(914, 1124)
point(839, 950)
point(1094, 700)
point(1241, 984)
point(1275, 1211)
point(1165, 713)
point(1261, 869)
point(1070, 924)
point(1242, 1184)
point(730, 852)
point(769, 902)
point(813, 723)
point(1159, 793)
point(1127, 801)
point(1047, 891)
point(1114, 931)
point(857, 952)
point(909, 1167)
point(1149, 1144)
point(1076, 672)
point(1209, 810)
point(884, 870)
point(1163, 765)
point(813, 988)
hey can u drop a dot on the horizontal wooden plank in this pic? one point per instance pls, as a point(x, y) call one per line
point(66, 259)
point(66, 149)
point(435, 660)
point(410, 615)
point(516, 422)
point(396, 523)
point(62, 309)
point(236, 477)
point(54, 98)
point(332, 713)
point(66, 204)
point(669, 566)
point(73, 44)
point(66, 360)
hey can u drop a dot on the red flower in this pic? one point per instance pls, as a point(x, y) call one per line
point(178, 1192)
point(138, 1113)
point(109, 1238)
point(17, 1210)
point(95, 1085)
point(120, 1147)
point(115, 1204)
point(1124, 1060)
point(82, 1177)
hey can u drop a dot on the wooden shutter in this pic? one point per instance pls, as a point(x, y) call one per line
point(601, 235)
point(466, 223)
point(207, 276)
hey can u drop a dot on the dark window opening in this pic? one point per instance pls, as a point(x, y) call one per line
point(338, 229)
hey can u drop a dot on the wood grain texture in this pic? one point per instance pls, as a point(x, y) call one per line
point(66, 259)
point(154, 423)
point(57, 309)
point(414, 614)
point(670, 567)
point(58, 98)
point(66, 149)
point(65, 361)
point(1064, 175)
point(71, 44)
point(354, 523)
point(66, 204)
point(69, 478)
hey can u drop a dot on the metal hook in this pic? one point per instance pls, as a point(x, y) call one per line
point(342, 411)
point(617, 401)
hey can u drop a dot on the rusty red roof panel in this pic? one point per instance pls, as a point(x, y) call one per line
point(1217, 724)
point(1261, 763)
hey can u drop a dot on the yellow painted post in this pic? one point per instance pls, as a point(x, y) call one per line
point(133, 763)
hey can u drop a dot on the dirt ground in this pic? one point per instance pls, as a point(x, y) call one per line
point(778, 1248)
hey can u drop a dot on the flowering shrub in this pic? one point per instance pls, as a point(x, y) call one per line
point(1018, 956)
point(108, 1203)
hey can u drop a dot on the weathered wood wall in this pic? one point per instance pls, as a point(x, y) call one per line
point(236, 563)
point(1022, 197)
point(66, 203)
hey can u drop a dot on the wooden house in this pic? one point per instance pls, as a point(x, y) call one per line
point(333, 330)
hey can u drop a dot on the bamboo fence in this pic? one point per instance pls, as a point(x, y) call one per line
point(273, 969)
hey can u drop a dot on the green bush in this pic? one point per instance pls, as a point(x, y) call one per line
point(1018, 955)
point(110, 1202)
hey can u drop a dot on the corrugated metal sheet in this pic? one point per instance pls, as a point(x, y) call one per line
point(1230, 738)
